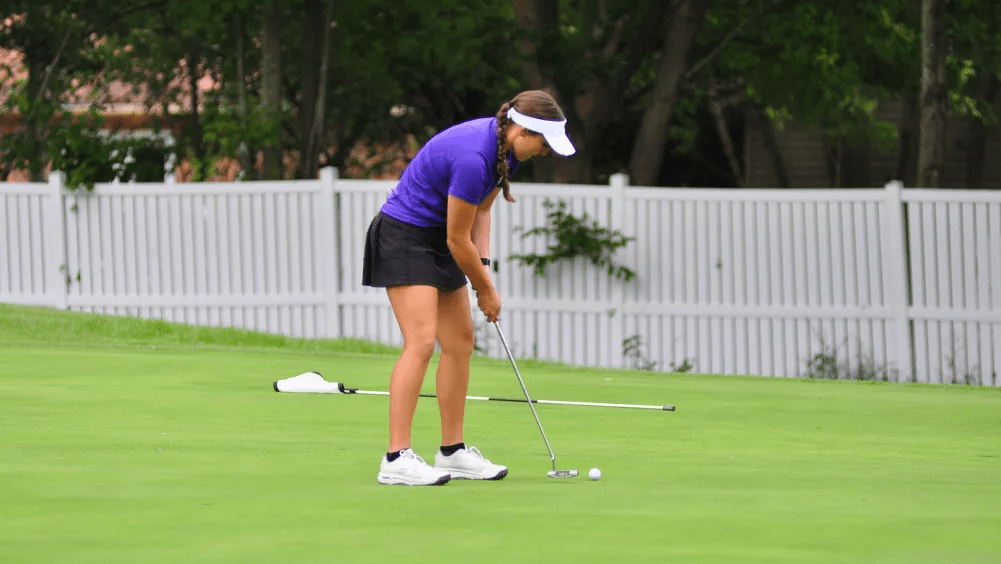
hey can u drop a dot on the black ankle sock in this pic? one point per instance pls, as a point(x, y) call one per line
point(391, 456)
point(450, 450)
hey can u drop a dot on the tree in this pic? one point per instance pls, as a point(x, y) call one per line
point(271, 83)
point(354, 63)
point(413, 69)
point(640, 80)
point(173, 48)
point(973, 29)
point(648, 150)
point(588, 57)
point(62, 47)
point(824, 64)
point(934, 94)
point(315, 73)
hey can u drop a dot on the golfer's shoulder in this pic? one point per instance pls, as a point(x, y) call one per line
point(478, 136)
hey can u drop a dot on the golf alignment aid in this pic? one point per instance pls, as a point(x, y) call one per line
point(554, 473)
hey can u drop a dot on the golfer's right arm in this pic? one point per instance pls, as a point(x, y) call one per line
point(460, 220)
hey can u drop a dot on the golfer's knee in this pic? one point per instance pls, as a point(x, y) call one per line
point(460, 343)
point(420, 345)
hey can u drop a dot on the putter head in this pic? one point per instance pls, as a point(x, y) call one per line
point(562, 473)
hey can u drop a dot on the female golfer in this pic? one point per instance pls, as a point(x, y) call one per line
point(432, 234)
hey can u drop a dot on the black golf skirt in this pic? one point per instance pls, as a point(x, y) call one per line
point(400, 254)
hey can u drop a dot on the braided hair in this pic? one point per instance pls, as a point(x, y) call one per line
point(535, 103)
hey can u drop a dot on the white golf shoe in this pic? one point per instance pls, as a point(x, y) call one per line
point(410, 470)
point(469, 464)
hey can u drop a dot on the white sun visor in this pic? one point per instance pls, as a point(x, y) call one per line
point(554, 131)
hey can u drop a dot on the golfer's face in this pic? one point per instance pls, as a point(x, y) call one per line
point(529, 144)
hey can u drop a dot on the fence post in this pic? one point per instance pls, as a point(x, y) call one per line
point(618, 183)
point(325, 218)
point(54, 233)
point(898, 286)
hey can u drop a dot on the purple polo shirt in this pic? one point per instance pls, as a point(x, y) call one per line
point(460, 161)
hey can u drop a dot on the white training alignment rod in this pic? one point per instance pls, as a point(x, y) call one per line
point(313, 383)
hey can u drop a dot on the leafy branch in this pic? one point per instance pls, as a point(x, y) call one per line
point(574, 237)
point(632, 348)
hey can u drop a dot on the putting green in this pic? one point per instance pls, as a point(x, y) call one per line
point(115, 451)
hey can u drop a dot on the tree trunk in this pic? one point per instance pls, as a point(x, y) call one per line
point(835, 160)
point(648, 149)
point(244, 151)
point(856, 165)
point(539, 20)
point(36, 121)
point(934, 96)
point(271, 80)
point(199, 166)
point(34, 124)
point(596, 97)
point(310, 157)
point(716, 108)
point(309, 63)
point(909, 132)
point(976, 155)
point(760, 121)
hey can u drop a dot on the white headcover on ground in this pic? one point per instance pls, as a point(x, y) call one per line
point(307, 383)
point(554, 131)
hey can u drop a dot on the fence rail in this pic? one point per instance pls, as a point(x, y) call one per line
point(891, 282)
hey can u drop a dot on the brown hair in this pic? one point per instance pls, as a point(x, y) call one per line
point(535, 103)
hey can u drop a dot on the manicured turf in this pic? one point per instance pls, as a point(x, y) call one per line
point(133, 441)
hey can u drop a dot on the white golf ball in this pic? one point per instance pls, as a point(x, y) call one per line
point(594, 474)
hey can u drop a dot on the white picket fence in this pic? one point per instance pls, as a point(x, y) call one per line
point(897, 282)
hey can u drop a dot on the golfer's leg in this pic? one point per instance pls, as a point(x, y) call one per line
point(455, 334)
point(416, 309)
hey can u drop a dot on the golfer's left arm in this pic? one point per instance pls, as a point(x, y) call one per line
point(481, 226)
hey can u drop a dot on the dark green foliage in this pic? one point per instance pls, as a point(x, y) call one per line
point(824, 64)
point(685, 366)
point(572, 237)
point(825, 365)
point(632, 349)
point(88, 157)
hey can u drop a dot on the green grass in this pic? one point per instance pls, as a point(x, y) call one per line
point(138, 441)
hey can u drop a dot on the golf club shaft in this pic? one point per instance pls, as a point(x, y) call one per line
point(552, 455)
